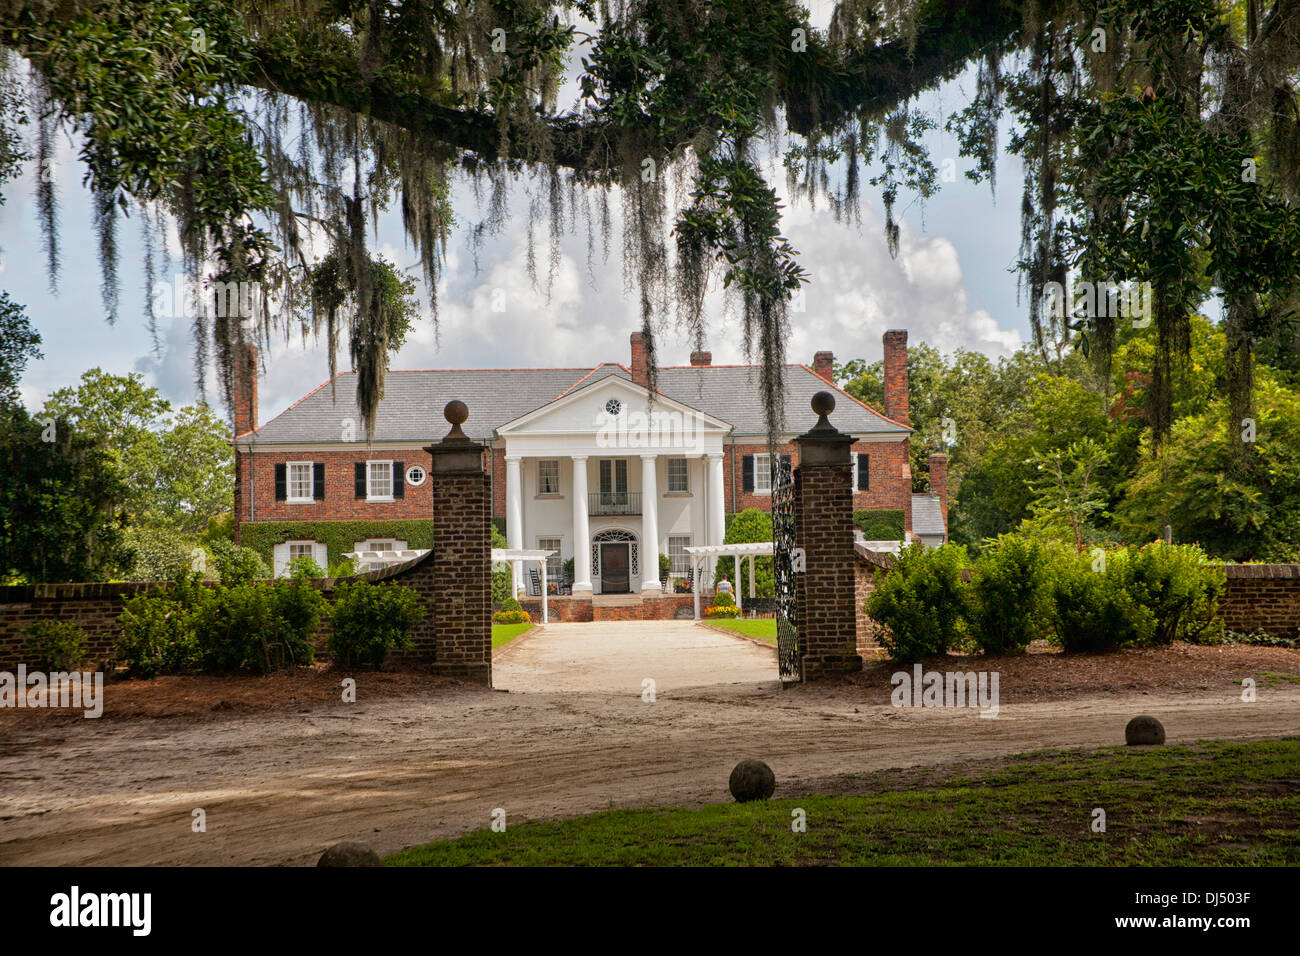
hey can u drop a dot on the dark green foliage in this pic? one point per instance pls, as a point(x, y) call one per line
point(880, 524)
point(259, 627)
point(744, 527)
point(922, 602)
point(159, 632)
point(1009, 596)
point(60, 514)
point(1094, 609)
point(1179, 586)
point(337, 536)
point(369, 620)
point(253, 627)
point(55, 646)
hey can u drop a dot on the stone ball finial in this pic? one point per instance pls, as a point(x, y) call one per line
point(456, 412)
point(823, 403)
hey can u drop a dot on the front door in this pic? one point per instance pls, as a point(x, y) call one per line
point(614, 576)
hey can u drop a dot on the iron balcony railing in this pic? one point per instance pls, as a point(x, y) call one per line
point(614, 503)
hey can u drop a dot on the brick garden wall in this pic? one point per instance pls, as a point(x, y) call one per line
point(1265, 596)
point(563, 608)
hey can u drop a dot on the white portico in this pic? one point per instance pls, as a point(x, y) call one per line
point(606, 478)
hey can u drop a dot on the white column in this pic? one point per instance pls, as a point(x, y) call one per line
point(545, 609)
point(515, 518)
point(581, 536)
point(695, 564)
point(717, 522)
point(649, 525)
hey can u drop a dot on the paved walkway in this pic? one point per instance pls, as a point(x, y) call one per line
point(617, 656)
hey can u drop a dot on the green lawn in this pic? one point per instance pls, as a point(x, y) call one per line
point(762, 628)
point(503, 634)
point(1214, 804)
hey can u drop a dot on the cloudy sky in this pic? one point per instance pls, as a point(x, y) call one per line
point(951, 286)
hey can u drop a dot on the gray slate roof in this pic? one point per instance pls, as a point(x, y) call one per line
point(927, 516)
point(413, 401)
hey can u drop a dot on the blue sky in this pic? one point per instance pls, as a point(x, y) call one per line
point(950, 286)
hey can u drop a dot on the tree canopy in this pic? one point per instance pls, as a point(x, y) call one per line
point(1159, 141)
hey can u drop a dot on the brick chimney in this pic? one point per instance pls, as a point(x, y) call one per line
point(896, 395)
point(824, 365)
point(939, 482)
point(244, 389)
point(701, 358)
point(640, 368)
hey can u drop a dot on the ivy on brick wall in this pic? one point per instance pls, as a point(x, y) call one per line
point(337, 536)
point(880, 524)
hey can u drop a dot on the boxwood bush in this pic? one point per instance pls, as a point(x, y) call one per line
point(369, 620)
point(1009, 595)
point(921, 602)
point(55, 646)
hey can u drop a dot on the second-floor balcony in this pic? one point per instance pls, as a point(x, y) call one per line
point(614, 503)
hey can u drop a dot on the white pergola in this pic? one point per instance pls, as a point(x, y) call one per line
point(383, 559)
point(741, 551)
point(511, 555)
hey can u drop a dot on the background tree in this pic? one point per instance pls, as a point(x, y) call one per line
point(19, 344)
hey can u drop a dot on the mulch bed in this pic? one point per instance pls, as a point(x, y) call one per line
point(206, 697)
point(1044, 673)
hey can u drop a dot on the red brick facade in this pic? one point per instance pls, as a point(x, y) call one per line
point(340, 502)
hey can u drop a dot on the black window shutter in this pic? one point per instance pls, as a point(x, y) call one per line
point(864, 472)
point(281, 480)
point(747, 469)
point(399, 480)
point(786, 470)
point(360, 479)
point(318, 481)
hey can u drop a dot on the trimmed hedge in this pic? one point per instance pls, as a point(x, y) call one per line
point(337, 536)
point(880, 524)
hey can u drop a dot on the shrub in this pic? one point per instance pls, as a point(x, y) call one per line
point(510, 617)
point(1094, 610)
point(236, 565)
point(55, 646)
point(1010, 595)
point(880, 524)
point(1180, 587)
point(501, 586)
point(724, 599)
point(342, 568)
point(304, 568)
point(921, 602)
point(369, 620)
point(158, 634)
point(746, 527)
point(665, 566)
point(162, 554)
point(511, 604)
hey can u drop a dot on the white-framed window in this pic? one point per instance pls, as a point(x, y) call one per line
point(678, 475)
point(298, 482)
point(763, 474)
point(379, 480)
point(380, 544)
point(548, 476)
point(287, 551)
point(555, 563)
point(680, 560)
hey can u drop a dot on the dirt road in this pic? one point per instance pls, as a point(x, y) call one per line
point(277, 788)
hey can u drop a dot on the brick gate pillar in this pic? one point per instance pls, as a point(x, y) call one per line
point(460, 597)
point(823, 505)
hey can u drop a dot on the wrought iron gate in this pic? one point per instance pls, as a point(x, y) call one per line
point(783, 562)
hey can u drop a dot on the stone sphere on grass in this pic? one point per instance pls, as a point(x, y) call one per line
point(1144, 730)
point(349, 854)
point(751, 780)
